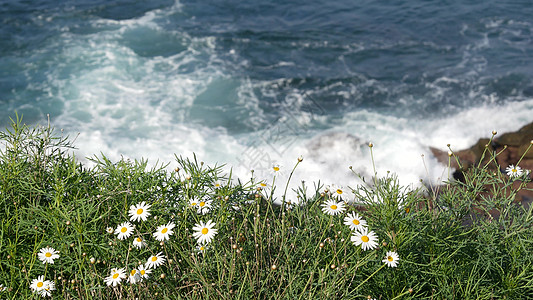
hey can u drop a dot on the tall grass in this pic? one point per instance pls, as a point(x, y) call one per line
point(468, 240)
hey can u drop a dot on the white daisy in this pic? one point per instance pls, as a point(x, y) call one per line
point(116, 276)
point(49, 286)
point(391, 259)
point(110, 230)
point(276, 169)
point(37, 284)
point(513, 171)
point(139, 242)
point(47, 255)
point(337, 190)
point(124, 230)
point(143, 272)
point(204, 232)
point(155, 260)
point(332, 207)
point(201, 248)
point(134, 277)
point(194, 203)
point(3, 288)
point(204, 206)
point(217, 184)
point(367, 240)
point(354, 221)
point(164, 232)
point(140, 211)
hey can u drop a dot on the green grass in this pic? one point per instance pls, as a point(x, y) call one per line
point(466, 240)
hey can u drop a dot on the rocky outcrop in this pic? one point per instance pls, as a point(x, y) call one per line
point(510, 149)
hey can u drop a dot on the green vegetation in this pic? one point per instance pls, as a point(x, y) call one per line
point(467, 240)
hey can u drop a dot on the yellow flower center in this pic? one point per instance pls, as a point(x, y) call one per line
point(389, 258)
point(48, 254)
point(339, 191)
point(514, 170)
point(40, 284)
point(115, 276)
point(164, 230)
point(139, 211)
point(365, 238)
point(407, 209)
point(143, 272)
point(202, 203)
point(124, 229)
point(138, 240)
point(193, 204)
point(154, 258)
point(334, 207)
point(205, 231)
point(202, 248)
point(356, 222)
point(263, 184)
point(276, 169)
point(133, 272)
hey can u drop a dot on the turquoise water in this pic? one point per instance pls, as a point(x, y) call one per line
point(251, 83)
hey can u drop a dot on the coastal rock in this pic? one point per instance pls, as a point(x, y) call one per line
point(510, 148)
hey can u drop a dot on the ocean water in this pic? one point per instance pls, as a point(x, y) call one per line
point(255, 83)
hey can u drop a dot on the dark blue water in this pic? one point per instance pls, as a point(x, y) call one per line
point(219, 78)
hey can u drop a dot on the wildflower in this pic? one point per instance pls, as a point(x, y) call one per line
point(391, 259)
point(367, 240)
point(139, 243)
point(155, 261)
point(124, 230)
point(164, 232)
point(217, 184)
point(48, 287)
point(201, 248)
point(337, 190)
point(204, 232)
point(47, 255)
point(2, 288)
point(134, 276)
point(204, 206)
point(276, 169)
point(116, 276)
point(354, 221)
point(332, 207)
point(143, 272)
point(37, 285)
point(110, 230)
point(140, 211)
point(513, 171)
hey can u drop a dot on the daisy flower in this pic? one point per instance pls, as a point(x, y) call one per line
point(354, 221)
point(47, 255)
point(3, 288)
point(116, 276)
point(140, 211)
point(513, 171)
point(193, 203)
point(204, 232)
point(110, 230)
point(143, 272)
point(217, 184)
point(48, 287)
point(37, 285)
point(337, 190)
point(276, 169)
point(391, 259)
point(204, 206)
point(155, 260)
point(134, 276)
point(124, 230)
point(139, 243)
point(332, 207)
point(367, 240)
point(164, 232)
point(201, 248)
